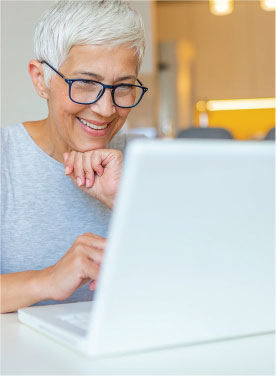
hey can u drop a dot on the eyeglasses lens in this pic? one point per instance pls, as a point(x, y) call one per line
point(126, 96)
point(85, 91)
point(89, 91)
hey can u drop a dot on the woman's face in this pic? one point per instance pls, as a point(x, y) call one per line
point(67, 119)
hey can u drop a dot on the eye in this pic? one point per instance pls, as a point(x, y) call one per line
point(87, 85)
point(125, 88)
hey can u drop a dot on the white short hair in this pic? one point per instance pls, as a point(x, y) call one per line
point(92, 22)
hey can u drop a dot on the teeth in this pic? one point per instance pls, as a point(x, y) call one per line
point(93, 126)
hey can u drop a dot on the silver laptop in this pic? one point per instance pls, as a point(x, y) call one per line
point(190, 256)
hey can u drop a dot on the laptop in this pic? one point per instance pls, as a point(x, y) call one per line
point(190, 255)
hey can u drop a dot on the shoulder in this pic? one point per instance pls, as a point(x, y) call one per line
point(10, 132)
point(15, 141)
point(121, 140)
point(12, 144)
point(10, 135)
point(17, 146)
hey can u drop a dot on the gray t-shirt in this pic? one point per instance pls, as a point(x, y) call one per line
point(42, 211)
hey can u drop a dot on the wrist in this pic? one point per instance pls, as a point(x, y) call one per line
point(40, 284)
point(107, 200)
point(109, 203)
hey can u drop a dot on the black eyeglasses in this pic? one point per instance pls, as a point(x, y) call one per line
point(90, 91)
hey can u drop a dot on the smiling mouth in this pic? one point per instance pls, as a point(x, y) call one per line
point(93, 126)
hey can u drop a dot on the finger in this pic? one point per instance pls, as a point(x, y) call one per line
point(69, 164)
point(99, 243)
point(92, 285)
point(96, 160)
point(93, 235)
point(110, 157)
point(78, 169)
point(93, 254)
point(88, 171)
point(91, 270)
point(65, 157)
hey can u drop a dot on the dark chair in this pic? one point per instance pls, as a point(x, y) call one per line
point(206, 133)
point(270, 136)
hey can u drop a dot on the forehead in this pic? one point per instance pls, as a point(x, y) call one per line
point(101, 60)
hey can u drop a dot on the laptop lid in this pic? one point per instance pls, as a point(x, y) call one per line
point(190, 256)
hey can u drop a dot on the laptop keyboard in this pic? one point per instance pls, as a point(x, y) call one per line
point(80, 320)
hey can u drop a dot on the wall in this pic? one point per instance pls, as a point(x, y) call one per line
point(233, 55)
point(145, 114)
point(19, 100)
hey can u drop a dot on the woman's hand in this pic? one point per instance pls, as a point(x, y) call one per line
point(96, 172)
point(79, 265)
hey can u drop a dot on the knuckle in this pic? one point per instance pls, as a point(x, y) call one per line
point(91, 235)
point(71, 156)
point(78, 172)
point(96, 270)
point(78, 165)
point(98, 256)
point(119, 154)
point(87, 170)
point(78, 247)
point(78, 262)
point(96, 156)
point(79, 241)
point(87, 234)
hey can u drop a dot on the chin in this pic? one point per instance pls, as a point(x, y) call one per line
point(88, 146)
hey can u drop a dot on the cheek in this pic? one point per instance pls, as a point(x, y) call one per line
point(74, 109)
point(123, 114)
point(60, 103)
point(67, 109)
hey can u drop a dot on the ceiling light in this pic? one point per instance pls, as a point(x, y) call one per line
point(240, 104)
point(221, 7)
point(268, 4)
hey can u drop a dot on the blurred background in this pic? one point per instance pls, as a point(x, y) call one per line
point(209, 64)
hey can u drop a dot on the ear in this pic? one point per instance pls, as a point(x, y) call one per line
point(37, 76)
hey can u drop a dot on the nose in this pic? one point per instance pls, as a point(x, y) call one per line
point(104, 106)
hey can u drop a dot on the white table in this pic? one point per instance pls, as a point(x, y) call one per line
point(26, 352)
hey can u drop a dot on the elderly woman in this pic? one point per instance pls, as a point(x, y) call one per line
point(61, 174)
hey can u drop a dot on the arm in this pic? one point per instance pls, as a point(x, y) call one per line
point(79, 265)
point(22, 289)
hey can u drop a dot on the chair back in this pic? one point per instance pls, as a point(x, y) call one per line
point(208, 133)
point(270, 136)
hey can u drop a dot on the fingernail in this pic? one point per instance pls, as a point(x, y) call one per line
point(79, 181)
point(87, 183)
point(92, 286)
point(67, 170)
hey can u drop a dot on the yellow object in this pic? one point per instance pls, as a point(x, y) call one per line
point(240, 104)
point(268, 4)
point(244, 118)
point(221, 7)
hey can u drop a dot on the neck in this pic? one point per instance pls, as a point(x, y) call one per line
point(47, 138)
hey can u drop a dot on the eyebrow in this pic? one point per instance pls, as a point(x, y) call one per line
point(100, 78)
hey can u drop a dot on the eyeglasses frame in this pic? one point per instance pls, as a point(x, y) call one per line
point(112, 87)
